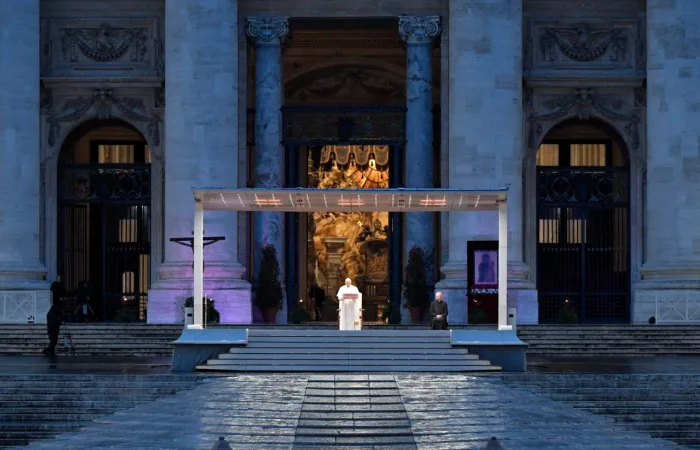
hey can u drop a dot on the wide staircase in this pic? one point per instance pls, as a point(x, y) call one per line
point(663, 405)
point(620, 340)
point(275, 350)
point(139, 339)
point(91, 339)
point(36, 407)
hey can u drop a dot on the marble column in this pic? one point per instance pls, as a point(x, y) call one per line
point(23, 287)
point(268, 34)
point(201, 150)
point(672, 238)
point(486, 141)
point(419, 33)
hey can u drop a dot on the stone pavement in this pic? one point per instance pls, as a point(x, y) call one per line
point(280, 411)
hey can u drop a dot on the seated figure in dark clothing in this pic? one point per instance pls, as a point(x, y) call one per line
point(438, 313)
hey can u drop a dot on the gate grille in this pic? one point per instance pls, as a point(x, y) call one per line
point(104, 220)
point(583, 243)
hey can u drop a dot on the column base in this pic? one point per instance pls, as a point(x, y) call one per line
point(24, 306)
point(669, 293)
point(232, 297)
point(525, 302)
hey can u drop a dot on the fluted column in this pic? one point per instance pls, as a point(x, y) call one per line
point(20, 265)
point(419, 33)
point(485, 139)
point(672, 239)
point(268, 34)
point(201, 142)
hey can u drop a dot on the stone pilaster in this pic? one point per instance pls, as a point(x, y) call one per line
point(24, 292)
point(419, 33)
point(485, 140)
point(201, 123)
point(670, 288)
point(268, 34)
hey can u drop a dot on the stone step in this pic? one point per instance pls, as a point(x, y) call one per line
point(355, 356)
point(344, 368)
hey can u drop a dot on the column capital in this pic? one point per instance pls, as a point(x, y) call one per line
point(419, 29)
point(267, 30)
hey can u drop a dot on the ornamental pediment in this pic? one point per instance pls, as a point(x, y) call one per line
point(100, 47)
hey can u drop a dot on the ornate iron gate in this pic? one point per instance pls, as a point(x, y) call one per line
point(583, 242)
point(104, 219)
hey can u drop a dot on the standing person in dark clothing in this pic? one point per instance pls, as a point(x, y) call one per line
point(319, 296)
point(82, 295)
point(53, 328)
point(438, 313)
point(58, 291)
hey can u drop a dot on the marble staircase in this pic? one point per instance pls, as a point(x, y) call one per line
point(34, 407)
point(139, 339)
point(280, 350)
point(664, 406)
point(612, 340)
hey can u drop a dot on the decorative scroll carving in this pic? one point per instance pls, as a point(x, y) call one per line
point(583, 44)
point(159, 97)
point(557, 185)
point(105, 102)
point(344, 124)
point(419, 29)
point(267, 30)
point(585, 104)
point(104, 44)
point(348, 84)
point(46, 97)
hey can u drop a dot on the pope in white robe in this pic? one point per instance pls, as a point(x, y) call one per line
point(349, 309)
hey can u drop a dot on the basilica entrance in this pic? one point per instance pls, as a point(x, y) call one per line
point(326, 247)
point(104, 218)
point(583, 225)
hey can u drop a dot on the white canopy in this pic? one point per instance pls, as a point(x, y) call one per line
point(350, 200)
point(302, 200)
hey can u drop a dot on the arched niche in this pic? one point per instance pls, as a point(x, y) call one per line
point(66, 118)
point(581, 217)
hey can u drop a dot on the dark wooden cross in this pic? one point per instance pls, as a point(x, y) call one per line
point(189, 242)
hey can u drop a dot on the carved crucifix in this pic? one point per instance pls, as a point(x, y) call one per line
point(189, 242)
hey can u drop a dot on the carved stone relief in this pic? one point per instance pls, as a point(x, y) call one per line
point(86, 47)
point(104, 44)
point(106, 105)
point(591, 45)
point(584, 103)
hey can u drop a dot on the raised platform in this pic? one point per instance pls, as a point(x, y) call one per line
point(294, 350)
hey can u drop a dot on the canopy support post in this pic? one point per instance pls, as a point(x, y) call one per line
point(503, 266)
point(198, 247)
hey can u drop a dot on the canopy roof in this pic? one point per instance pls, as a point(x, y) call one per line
point(350, 200)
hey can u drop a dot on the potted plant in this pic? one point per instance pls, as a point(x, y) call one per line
point(211, 315)
point(268, 289)
point(299, 315)
point(416, 287)
point(567, 314)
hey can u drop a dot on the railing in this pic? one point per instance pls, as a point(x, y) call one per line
point(18, 307)
point(684, 309)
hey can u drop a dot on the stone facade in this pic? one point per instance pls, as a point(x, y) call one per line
point(505, 74)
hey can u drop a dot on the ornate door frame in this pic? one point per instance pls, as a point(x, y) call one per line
point(623, 108)
point(63, 108)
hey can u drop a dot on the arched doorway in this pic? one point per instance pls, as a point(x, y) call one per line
point(104, 217)
point(583, 228)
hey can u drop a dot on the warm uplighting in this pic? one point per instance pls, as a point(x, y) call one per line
point(268, 201)
point(351, 202)
point(433, 202)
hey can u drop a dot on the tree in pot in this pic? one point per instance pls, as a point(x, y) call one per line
point(209, 311)
point(416, 287)
point(268, 289)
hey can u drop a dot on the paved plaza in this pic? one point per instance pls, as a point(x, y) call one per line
point(385, 411)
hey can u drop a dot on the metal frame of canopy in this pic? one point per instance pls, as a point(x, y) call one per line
point(350, 200)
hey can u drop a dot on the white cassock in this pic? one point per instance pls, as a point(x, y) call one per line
point(350, 310)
